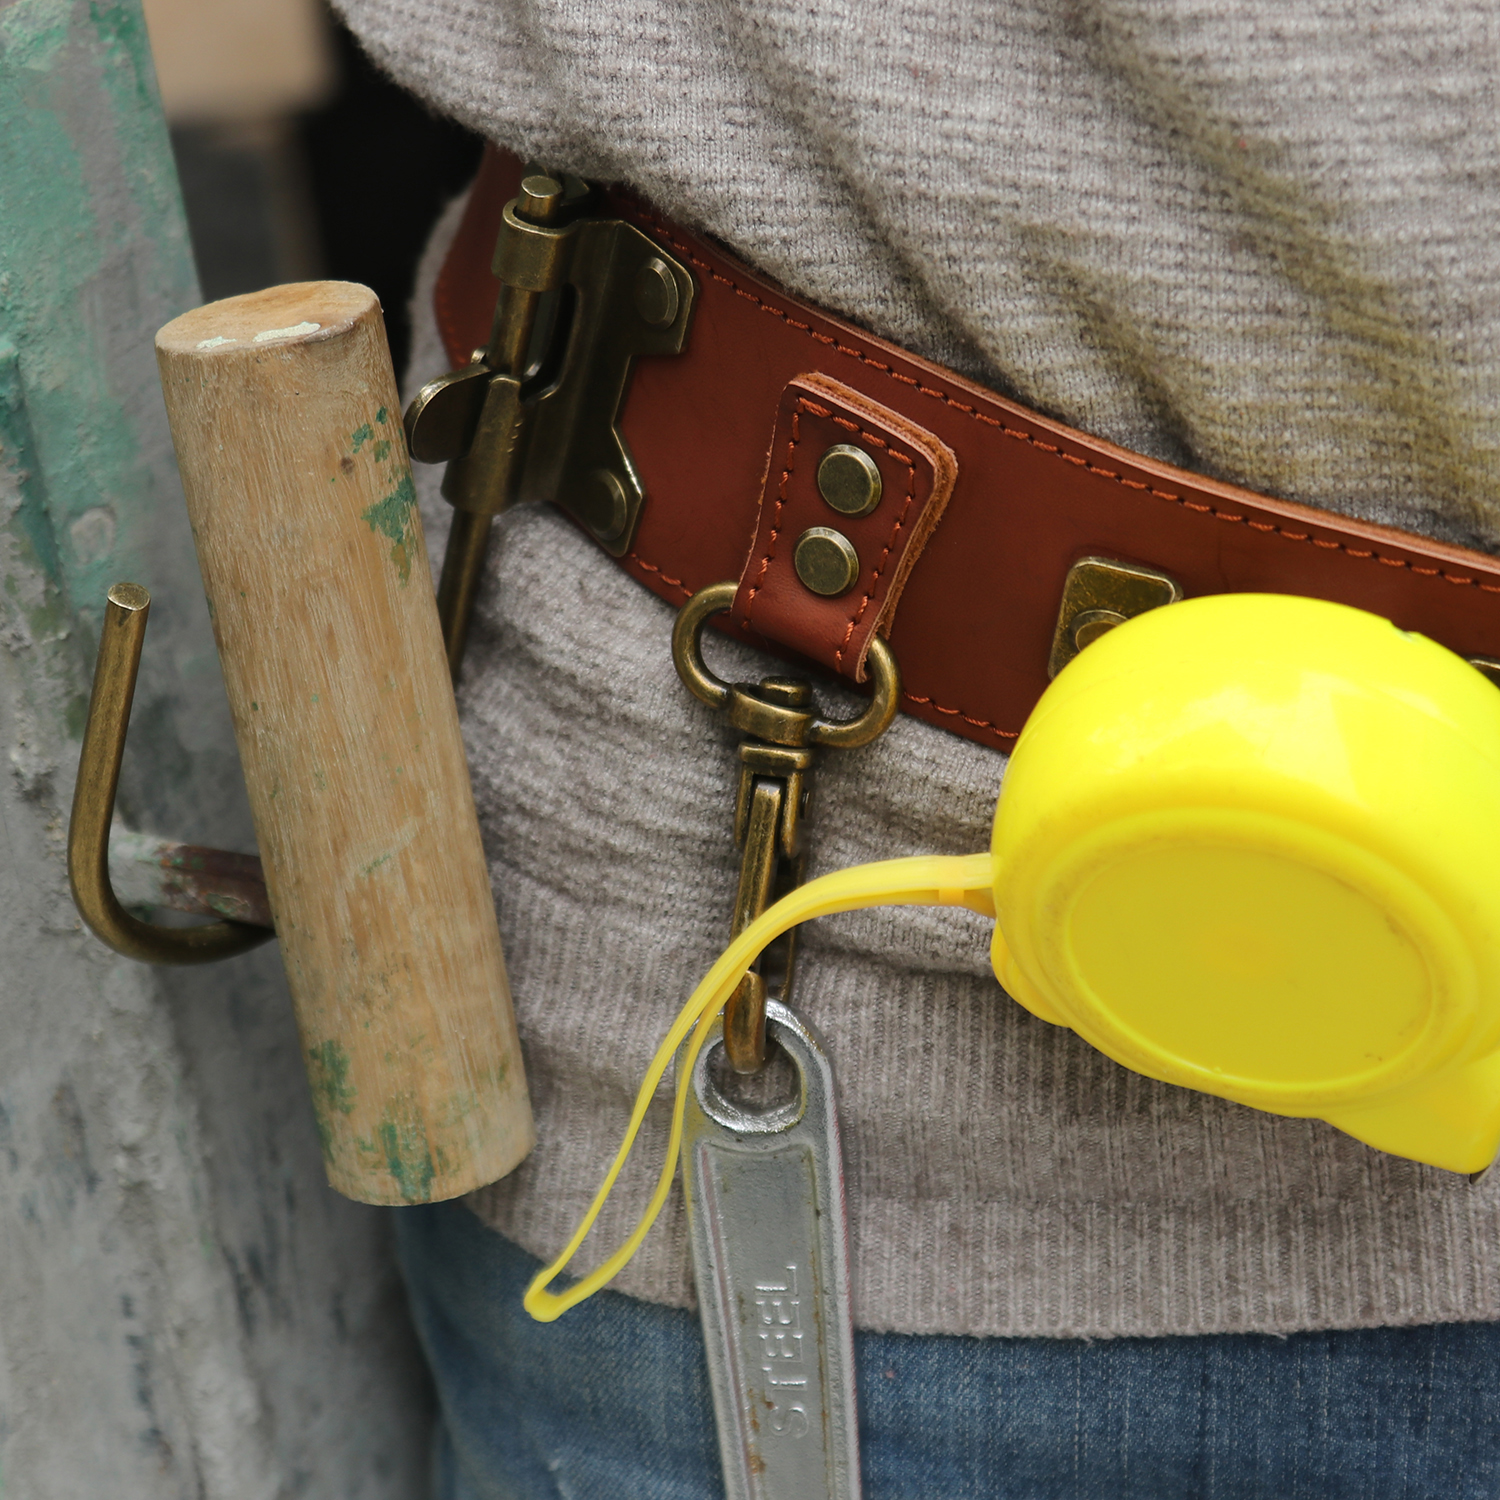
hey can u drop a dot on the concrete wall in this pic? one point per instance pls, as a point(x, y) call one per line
point(185, 1308)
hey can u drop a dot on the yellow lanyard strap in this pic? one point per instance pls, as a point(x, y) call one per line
point(924, 880)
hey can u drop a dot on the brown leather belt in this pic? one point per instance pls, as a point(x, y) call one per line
point(985, 506)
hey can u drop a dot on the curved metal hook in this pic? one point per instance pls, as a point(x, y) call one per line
point(94, 806)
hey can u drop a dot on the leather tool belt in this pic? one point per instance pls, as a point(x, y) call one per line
point(984, 511)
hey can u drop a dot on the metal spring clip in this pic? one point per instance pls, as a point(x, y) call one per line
point(533, 414)
point(781, 733)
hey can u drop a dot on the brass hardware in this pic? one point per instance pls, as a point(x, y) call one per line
point(769, 804)
point(1092, 623)
point(845, 734)
point(687, 643)
point(540, 199)
point(826, 561)
point(533, 417)
point(656, 298)
point(780, 726)
point(447, 421)
point(849, 480)
point(1099, 594)
point(458, 583)
point(778, 721)
point(94, 805)
point(603, 505)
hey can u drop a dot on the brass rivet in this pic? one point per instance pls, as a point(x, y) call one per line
point(826, 561)
point(1092, 623)
point(656, 293)
point(849, 480)
point(603, 507)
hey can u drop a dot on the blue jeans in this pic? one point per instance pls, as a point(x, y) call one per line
point(612, 1402)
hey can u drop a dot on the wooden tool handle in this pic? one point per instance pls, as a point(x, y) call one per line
point(288, 432)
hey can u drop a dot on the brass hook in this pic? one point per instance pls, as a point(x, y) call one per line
point(94, 807)
point(780, 730)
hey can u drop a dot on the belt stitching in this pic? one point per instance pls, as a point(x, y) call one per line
point(1362, 554)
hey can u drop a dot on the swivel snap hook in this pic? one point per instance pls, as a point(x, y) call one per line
point(780, 733)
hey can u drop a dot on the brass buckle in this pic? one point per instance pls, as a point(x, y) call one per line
point(780, 734)
point(534, 414)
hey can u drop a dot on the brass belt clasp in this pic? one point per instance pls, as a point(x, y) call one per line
point(533, 416)
point(781, 732)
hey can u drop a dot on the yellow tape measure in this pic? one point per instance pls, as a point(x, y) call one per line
point(1249, 844)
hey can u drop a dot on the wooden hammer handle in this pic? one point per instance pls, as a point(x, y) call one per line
point(286, 421)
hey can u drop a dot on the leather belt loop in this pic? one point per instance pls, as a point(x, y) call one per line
point(863, 486)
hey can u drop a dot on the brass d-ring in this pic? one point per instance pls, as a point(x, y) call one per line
point(94, 806)
point(844, 734)
point(687, 643)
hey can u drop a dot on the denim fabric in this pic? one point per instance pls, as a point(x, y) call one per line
point(612, 1401)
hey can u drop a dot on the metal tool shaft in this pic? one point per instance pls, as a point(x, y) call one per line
point(539, 201)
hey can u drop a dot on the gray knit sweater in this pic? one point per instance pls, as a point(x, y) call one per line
point(1257, 241)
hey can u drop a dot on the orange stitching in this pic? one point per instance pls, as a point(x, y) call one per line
point(676, 583)
point(1360, 554)
point(786, 477)
point(911, 495)
point(1005, 734)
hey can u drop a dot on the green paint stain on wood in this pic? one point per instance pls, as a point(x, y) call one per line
point(360, 436)
point(403, 1143)
point(382, 450)
point(380, 416)
point(394, 517)
point(333, 1094)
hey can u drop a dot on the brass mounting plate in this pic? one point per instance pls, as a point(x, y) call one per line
point(576, 456)
point(1100, 593)
point(562, 443)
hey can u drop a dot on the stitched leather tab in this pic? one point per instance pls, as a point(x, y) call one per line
point(917, 472)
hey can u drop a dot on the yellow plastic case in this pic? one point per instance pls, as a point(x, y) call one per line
point(1250, 844)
